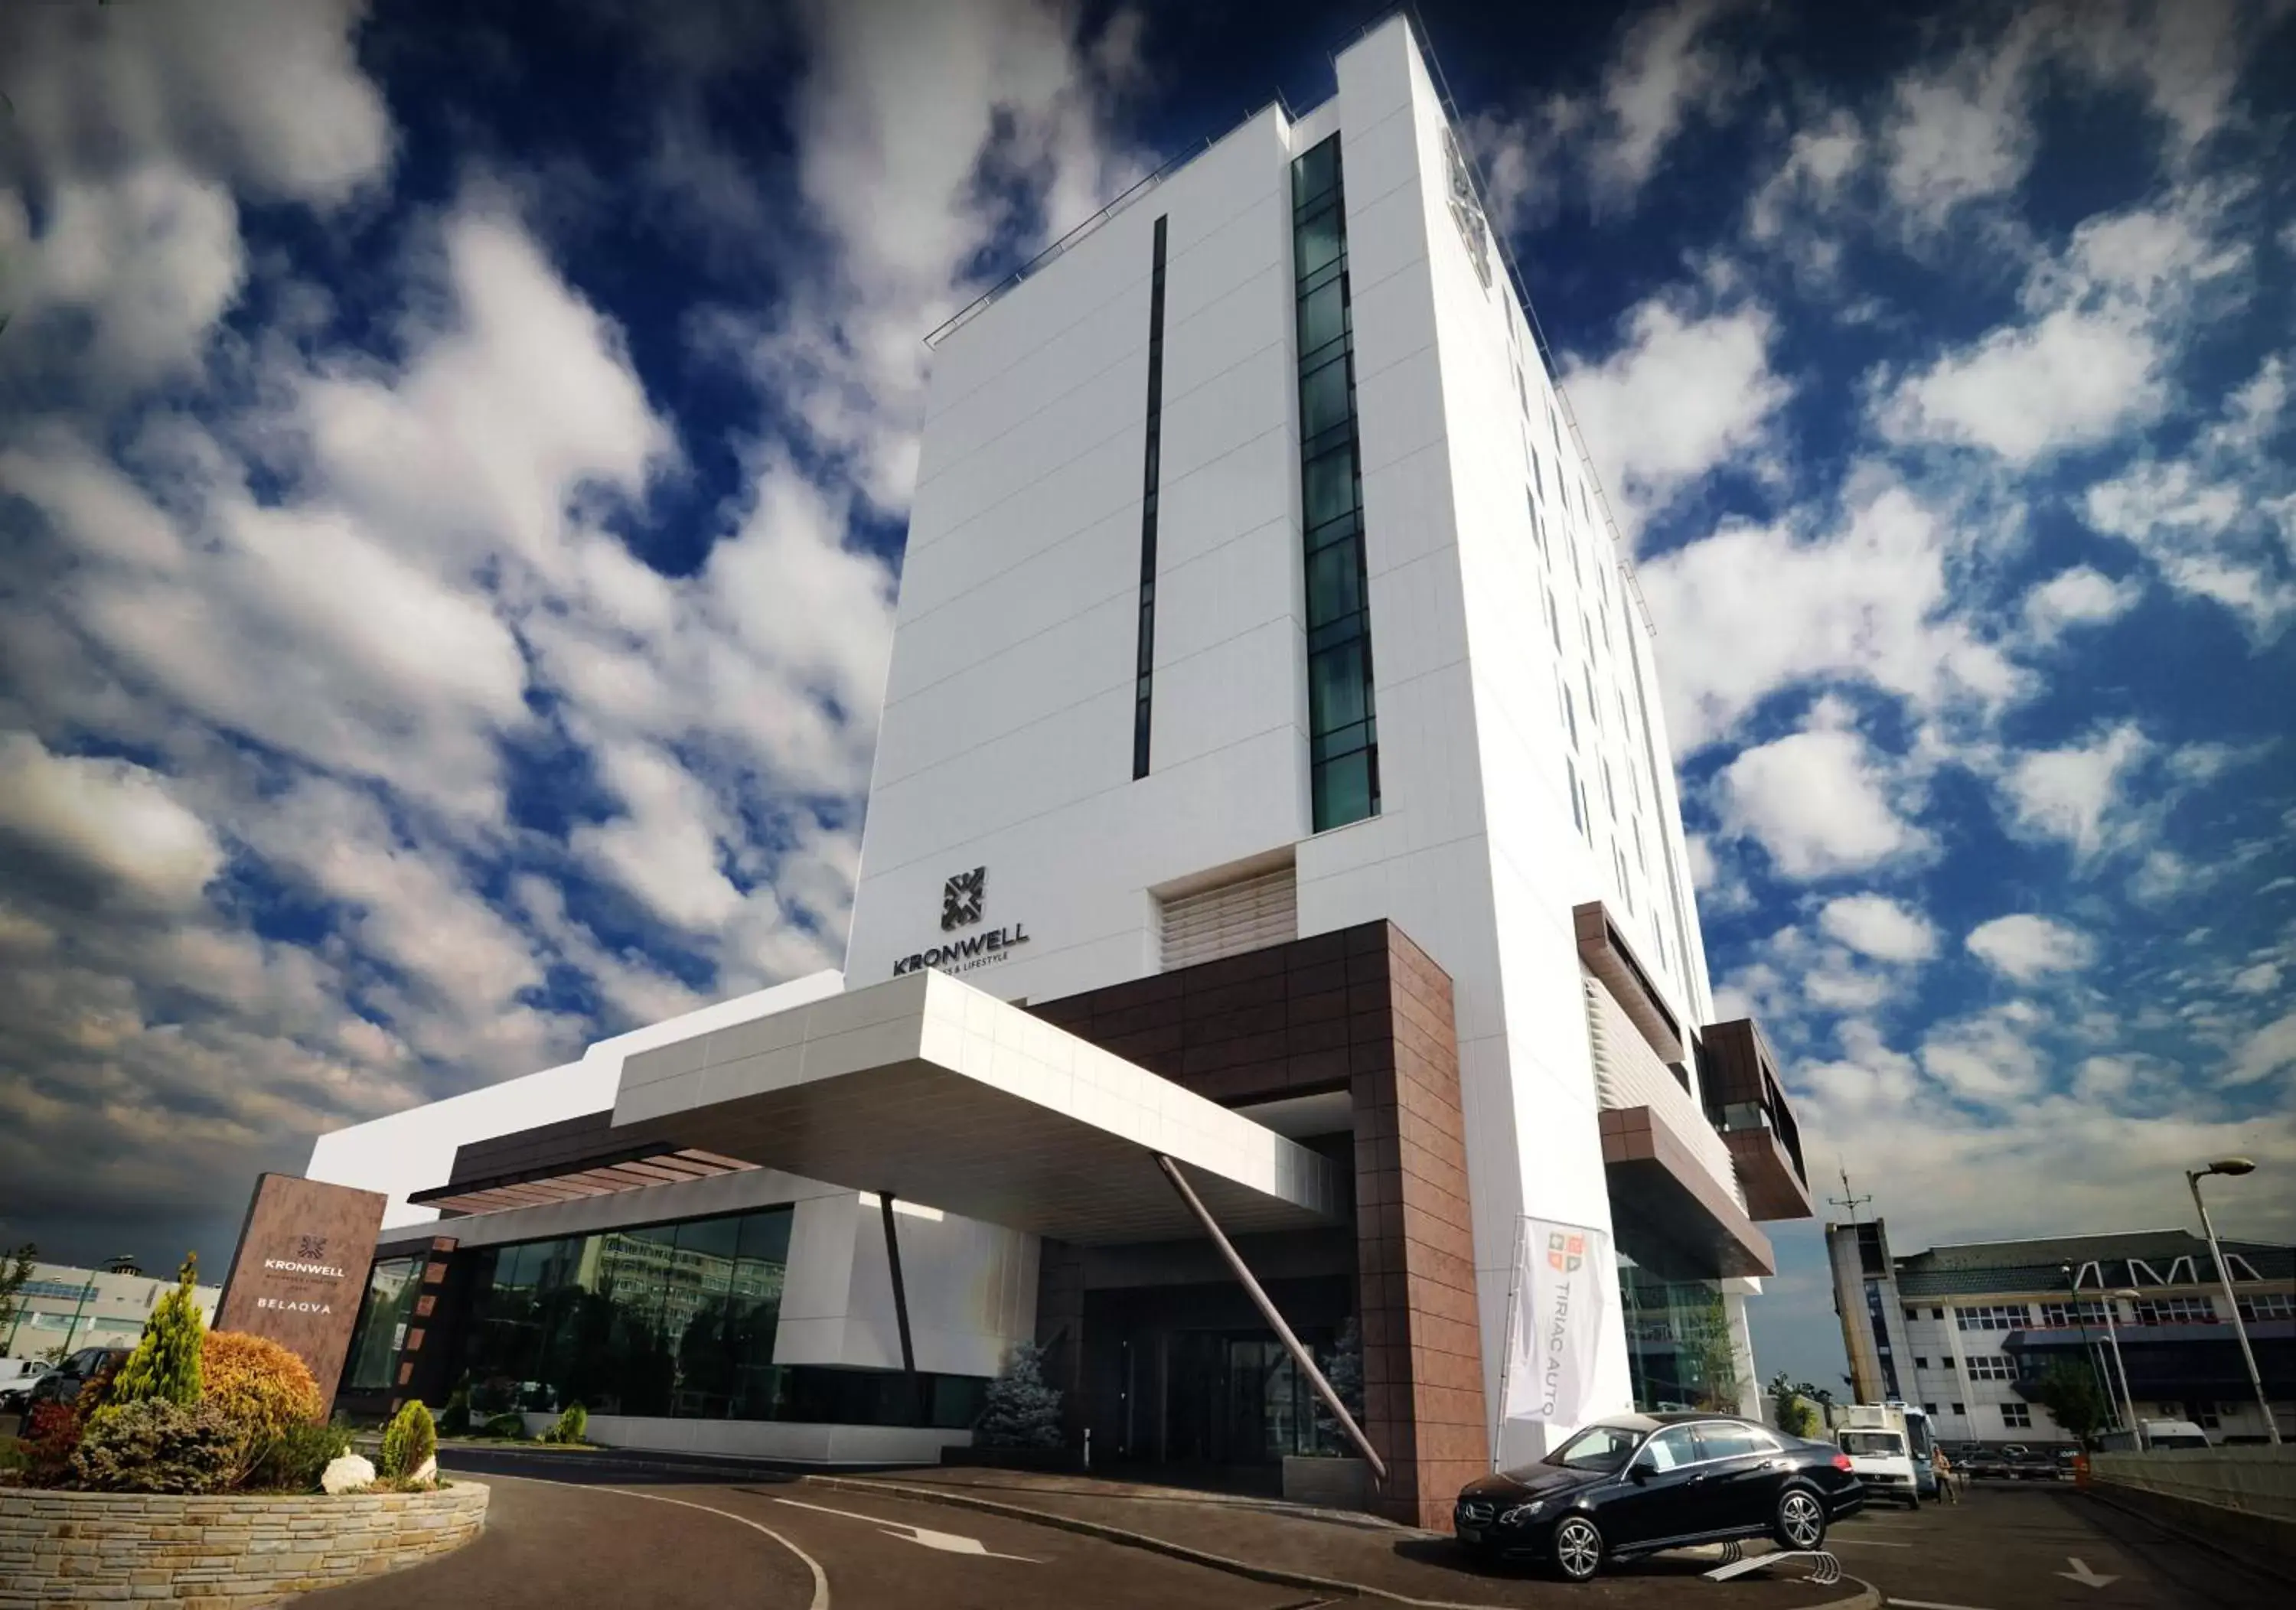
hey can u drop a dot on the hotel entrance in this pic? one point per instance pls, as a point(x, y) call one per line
point(1184, 1379)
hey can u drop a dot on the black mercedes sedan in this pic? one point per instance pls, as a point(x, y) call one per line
point(1634, 1483)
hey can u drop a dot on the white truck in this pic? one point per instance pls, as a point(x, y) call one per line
point(1879, 1441)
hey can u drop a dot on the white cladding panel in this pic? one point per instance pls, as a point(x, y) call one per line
point(1007, 735)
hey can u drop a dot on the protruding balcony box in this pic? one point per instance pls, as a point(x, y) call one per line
point(1748, 1104)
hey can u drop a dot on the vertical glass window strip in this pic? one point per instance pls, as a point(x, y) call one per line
point(1145, 664)
point(1342, 728)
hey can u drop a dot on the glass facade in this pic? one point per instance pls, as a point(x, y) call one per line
point(392, 1286)
point(1342, 730)
point(1149, 475)
point(1680, 1353)
point(665, 1320)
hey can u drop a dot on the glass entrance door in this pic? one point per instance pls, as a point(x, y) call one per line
point(1235, 1400)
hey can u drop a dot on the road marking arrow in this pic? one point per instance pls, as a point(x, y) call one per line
point(947, 1542)
point(2081, 1574)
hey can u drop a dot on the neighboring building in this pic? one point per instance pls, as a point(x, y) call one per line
point(1273, 774)
point(1964, 1331)
point(62, 1308)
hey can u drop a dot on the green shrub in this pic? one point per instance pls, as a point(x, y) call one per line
point(166, 1363)
point(455, 1420)
point(153, 1445)
point(571, 1426)
point(510, 1425)
point(410, 1439)
point(293, 1461)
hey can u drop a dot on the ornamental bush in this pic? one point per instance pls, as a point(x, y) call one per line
point(1022, 1411)
point(455, 1420)
point(154, 1445)
point(264, 1389)
point(50, 1436)
point(294, 1459)
point(571, 1428)
point(166, 1362)
point(407, 1441)
point(510, 1425)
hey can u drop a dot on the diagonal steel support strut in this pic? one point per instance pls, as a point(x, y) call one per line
point(1300, 1355)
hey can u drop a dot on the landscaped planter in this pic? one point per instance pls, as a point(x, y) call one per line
point(1326, 1482)
point(65, 1550)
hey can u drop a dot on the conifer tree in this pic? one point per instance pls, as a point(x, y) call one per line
point(1021, 1411)
point(166, 1362)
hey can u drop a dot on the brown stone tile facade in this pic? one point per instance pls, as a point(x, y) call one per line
point(1363, 1010)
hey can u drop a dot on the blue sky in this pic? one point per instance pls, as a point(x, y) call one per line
point(456, 462)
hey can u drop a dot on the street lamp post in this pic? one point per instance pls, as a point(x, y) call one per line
point(2233, 1167)
point(2112, 1339)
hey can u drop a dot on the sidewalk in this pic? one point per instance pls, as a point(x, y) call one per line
point(1334, 1550)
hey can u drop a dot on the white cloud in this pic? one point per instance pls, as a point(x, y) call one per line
point(2269, 1050)
point(1681, 397)
point(1818, 801)
point(268, 97)
point(113, 819)
point(2026, 948)
point(1667, 70)
point(1989, 1059)
point(1755, 609)
point(2070, 379)
point(1887, 930)
point(1959, 133)
point(2070, 793)
point(2261, 979)
point(2080, 596)
point(2220, 520)
point(2086, 360)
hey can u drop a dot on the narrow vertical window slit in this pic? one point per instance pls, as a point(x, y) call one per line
point(1150, 472)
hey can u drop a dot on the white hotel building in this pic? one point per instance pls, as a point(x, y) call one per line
point(1272, 777)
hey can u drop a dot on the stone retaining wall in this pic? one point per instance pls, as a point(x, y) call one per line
point(82, 1550)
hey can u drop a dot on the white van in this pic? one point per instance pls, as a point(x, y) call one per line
point(1878, 1457)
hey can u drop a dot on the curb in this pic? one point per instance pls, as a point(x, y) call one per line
point(1867, 1597)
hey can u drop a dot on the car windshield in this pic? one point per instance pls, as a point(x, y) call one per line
point(1604, 1448)
point(1882, 1442)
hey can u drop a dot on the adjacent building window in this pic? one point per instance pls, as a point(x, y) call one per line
point(1150, 478)
point(1930, 1408)
point(1958, 1409)
point(2004, 1316)
point(1919, 1362)
point(2017, 1417)
point(2073, 1314)
point(1992, 1367)
point(1342, 733)
point(2175, 1311)
point(2269, 1305)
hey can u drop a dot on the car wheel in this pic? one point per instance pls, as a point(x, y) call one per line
point(1577, 1549)
point(1801, 1522)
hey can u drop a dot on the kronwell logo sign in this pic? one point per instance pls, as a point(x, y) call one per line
point(963, 900)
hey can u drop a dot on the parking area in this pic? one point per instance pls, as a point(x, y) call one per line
point(2012, 1546)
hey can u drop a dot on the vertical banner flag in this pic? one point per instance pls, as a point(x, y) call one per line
point(1557, 1323)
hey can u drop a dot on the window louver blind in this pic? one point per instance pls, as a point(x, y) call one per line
point(1235, 917)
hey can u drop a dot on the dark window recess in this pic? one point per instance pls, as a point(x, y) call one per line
point(664, 1320)
point(1342, 727)
point(1144, 678)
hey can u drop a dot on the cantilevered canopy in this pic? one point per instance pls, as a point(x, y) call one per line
point(929, 1089)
